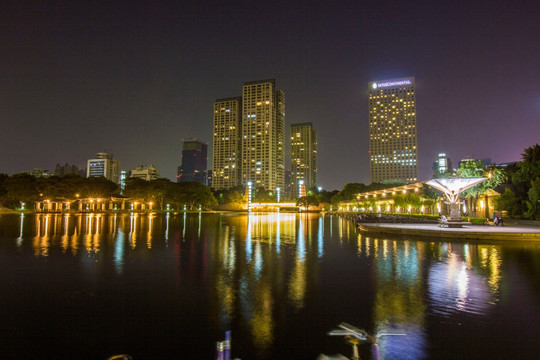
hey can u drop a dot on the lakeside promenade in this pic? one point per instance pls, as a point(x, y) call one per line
point(468, 232)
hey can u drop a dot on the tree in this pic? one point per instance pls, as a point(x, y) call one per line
point(138, 189)
point(529, 168)
point(413, 200)
point(533, 208)
point(474, 169)
point(509, 202)
point(262, 195)
point(20, 188)
point(159, 191)
point(193, 194)
point(307, 201)
point(98, 187)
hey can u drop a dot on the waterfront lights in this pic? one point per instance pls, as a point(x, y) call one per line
point(249, 185)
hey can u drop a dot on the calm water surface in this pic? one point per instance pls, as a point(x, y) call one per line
point(168, 286)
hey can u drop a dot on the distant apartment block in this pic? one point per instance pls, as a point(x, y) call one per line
point(66, 169)
point(37, 172)
point(194, 162)
point(303, 157)
point(104, 165)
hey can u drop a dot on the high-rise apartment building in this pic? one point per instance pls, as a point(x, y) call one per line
point(303, 157)
point(392, 131)
point(249, 138)
point(263, 135)
point(194, 162)
point(226, 149)
point(104, 165)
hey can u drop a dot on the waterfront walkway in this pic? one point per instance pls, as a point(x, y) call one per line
point(478, 232)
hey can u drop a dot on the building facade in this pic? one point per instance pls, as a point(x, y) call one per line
point(442, 165)
point(303, 157)
point(194, 162)
point(67, 170)
point(104, 165)
point(392, 131)
point(249, 138)
point(263, 135)
point(147, 173)
point(226, 149)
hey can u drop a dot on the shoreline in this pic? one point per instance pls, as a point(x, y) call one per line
point(468, 232)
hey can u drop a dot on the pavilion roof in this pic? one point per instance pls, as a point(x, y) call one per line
point(402, 188)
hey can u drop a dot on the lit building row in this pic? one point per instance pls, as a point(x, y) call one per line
point(249, 138)
point(104, 165)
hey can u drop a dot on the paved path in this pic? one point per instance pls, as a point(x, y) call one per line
point(481, 232)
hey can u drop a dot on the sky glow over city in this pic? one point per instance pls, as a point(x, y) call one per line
point(133, 79)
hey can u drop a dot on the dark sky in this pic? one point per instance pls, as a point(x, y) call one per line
point(134, 79)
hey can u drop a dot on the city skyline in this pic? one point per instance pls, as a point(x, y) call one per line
point(132, 80)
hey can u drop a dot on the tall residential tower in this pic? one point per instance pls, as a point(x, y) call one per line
point(227, 123)
point(263, 135)
point(249, 138)
point(303, 157)
point(392, 131)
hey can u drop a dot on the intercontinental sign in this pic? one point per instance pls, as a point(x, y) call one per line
point(391, 83)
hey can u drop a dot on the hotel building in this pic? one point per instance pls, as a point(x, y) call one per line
point(303, 157)
point(392, 131)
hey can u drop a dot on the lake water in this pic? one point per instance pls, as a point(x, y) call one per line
point(169, 286)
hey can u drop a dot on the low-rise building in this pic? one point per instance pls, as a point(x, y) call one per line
point(147, 173)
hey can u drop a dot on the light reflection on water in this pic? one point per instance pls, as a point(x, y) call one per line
point(260, 267)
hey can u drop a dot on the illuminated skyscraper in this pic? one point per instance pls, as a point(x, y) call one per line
point(263, 135)
point(392, 131)
point(303, 156)
point(226, 150)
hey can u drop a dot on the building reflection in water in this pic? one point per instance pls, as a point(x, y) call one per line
point(247, 286)
point(68, 231)
point(253, 261)
point(21, 229)
point(398, 305)
point(460, 278)
point(466, 280)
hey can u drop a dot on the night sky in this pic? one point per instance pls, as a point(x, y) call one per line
point(134, 80)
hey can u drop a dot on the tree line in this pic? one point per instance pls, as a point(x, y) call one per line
point(518, 183)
